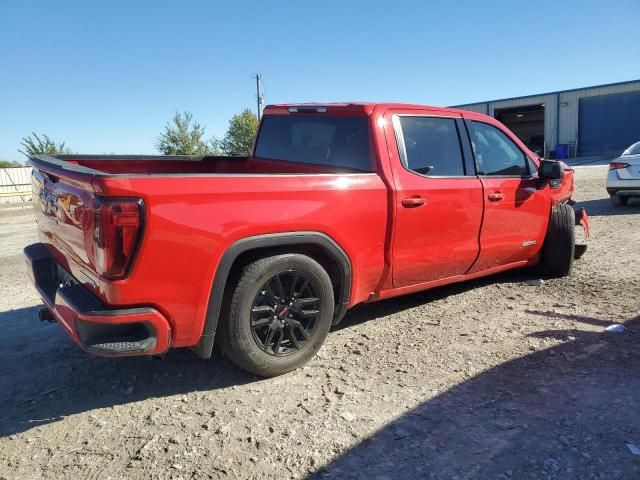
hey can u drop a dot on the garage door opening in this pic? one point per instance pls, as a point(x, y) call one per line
point(527, 123)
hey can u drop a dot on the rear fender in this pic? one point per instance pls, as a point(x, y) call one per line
point(204, 348)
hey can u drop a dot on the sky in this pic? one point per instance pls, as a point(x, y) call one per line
point(106, 76)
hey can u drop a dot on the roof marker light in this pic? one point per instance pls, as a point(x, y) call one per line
point(307, 109)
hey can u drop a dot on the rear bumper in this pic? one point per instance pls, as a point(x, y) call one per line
point(622, 186)
point(624, 191)
point(92, 325)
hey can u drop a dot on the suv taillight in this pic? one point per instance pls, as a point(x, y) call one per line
point(617, 165)
point(117, 224)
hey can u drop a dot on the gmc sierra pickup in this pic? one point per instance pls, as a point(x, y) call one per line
point(339, 204)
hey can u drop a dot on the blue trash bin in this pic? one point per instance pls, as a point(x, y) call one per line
point(562, 151)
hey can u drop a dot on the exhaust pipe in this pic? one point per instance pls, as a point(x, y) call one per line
point(46, 316)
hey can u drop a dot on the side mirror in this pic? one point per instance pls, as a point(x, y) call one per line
point(551, 170)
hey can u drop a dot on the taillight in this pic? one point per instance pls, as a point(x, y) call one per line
point(617, 165)
point(116, 227)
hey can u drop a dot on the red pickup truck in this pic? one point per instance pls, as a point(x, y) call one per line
point(339, 204)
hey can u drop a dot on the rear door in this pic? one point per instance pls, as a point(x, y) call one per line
point(438, 198)
point(516, 207)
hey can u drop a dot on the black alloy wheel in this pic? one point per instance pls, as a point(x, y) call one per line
point(285, 313)
point(279, 313)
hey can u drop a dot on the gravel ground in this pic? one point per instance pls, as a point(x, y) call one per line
point(490, 379)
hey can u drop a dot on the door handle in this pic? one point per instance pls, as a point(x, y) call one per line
point(495, 197)
point(413, 202)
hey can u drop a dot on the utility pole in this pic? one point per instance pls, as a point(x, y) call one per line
point(259, 95)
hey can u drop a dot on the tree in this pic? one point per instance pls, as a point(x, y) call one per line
point(184, 136)
point(34, 145)
point(213, 147)
point(8, 164)
point(242, 131)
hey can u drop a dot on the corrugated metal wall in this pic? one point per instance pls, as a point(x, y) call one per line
point(563, 127)
point(569, 105)
point(549, 112)
point(476, 107)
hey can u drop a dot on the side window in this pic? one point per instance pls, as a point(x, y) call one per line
point(431, 146)
point(533, 168)
point(496, 154)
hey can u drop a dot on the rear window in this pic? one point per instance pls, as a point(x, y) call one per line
point(341, 142)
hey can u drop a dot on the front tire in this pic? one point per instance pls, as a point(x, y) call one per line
point(279, 315)
point(559, 246)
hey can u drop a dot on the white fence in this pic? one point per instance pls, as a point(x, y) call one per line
point(15, 187)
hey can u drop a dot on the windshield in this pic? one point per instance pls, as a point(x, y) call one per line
point(334, 141)
point(633, 149)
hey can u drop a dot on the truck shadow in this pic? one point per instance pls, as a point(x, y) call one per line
point(45, 377)
point(603, 206)
point(561, 412)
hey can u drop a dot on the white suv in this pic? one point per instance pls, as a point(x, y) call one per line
point(623, 180)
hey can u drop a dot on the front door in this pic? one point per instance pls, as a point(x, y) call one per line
point(516, 208)
point(438, 200)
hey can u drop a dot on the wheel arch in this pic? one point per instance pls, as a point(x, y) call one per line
point(318, 246)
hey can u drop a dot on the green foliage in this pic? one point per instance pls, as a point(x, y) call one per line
point(184, 136)
point(8, 164)
point(213, 147)
point(242, 131)
point(34, 145)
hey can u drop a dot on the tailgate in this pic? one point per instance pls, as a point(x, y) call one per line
point(64, 210)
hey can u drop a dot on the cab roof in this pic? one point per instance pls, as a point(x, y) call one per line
point(352, 107)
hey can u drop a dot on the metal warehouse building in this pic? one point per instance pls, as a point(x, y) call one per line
point(591, 121)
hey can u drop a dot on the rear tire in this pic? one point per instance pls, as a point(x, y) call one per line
point(618, 201)
point(559, 245)
point(272, 326)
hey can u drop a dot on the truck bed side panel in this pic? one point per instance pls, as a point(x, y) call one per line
point(192, 220)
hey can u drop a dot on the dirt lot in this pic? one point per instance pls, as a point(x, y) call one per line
point(490, 379)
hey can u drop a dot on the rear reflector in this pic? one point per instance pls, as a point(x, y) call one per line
point(117, 226)
point(617, 165)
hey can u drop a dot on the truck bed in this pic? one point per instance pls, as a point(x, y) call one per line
point(182, 164)
point(194, 208)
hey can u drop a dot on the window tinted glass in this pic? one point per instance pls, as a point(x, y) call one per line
point(496, 154)
point(316, 139)
point(432, 146)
